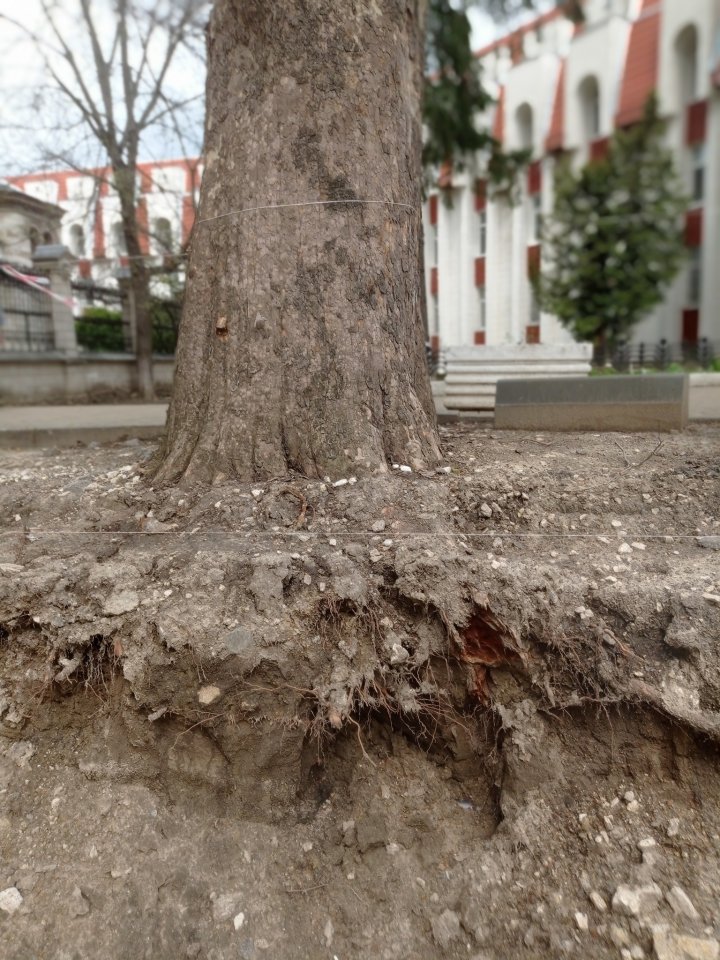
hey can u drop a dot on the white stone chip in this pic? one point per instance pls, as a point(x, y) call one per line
point(208, 695)
point(681, 903)
point(10, 900)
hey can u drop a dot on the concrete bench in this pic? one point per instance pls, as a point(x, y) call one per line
point(656, 402)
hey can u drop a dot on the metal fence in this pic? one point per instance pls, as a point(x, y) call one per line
point(25, 318)
point(104, 325)
point(658, 356)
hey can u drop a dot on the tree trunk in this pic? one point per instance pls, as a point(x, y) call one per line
point(301, 345)
point(138, 284)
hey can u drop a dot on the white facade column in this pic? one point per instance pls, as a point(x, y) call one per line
point(519, 298)
point(499, 273)
point(469, 250)
point(710, 295)
point(449, 260)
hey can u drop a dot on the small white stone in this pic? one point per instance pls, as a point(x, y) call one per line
point(647, 843)
point(352, 480)
point(616, 523)
point(387, 543)
point(582, 921)
point(624, 548)
point(332, 541)
point(405, 469)
point(629, 796)
point(208, 695)
point(399, 654)
point(257, 493)
point(634, 901)
point(340, 483)
point(636, 545)
point(681, 903)
point(633, 806)
point(673, 827)
point(238, 920)
point(10, 900)
point(597, 901)
point(307, 846)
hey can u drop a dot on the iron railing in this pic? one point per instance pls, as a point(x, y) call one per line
point(26, 324)
point(658, 356)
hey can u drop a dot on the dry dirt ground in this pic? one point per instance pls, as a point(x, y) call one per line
point(470, 713)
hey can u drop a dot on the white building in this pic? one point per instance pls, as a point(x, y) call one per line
point(92, 230)
point(562, 88)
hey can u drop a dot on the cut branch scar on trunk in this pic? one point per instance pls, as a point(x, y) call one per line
point(221, 328)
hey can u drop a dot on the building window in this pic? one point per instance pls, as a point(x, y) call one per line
point(434, 316)
point(77, 240)
point(589, 95)
point(697, 169)
point(686, 46)
point(162, 235)
point(482, 233)
point(694, 290)
point(535, 225)
point(524, 125)
point(534, 310)
point(34, 239)
point(118, 239)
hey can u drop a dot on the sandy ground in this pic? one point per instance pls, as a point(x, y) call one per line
point(471, 713)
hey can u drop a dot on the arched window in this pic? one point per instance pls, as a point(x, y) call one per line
point(163, 235)
point(589, 96)
point(77, 240)
point(34, 239)
point(524, 126)
point(118, 239)
point(686, 47)
point(47, 237)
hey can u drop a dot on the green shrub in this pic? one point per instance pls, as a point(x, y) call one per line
point(100, 330)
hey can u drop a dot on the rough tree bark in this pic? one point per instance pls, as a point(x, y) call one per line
point(139, 280)
point(301, 345)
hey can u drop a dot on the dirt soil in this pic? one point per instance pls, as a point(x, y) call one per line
point(469, 713)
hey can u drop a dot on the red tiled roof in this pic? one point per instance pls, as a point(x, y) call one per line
point(498, 129)
point(555, 139)
point(641, 64)
point(511, 39)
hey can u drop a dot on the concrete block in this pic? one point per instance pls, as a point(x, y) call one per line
point(705, 396)
point(656, 402)
point(473, 372)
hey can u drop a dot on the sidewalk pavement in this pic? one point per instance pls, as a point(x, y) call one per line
point(52, 426)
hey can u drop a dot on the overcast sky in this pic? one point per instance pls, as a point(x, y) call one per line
point(21, 74)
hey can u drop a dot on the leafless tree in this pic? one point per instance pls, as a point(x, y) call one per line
point(108, 74)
